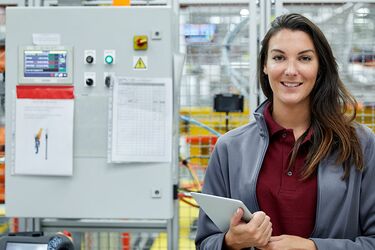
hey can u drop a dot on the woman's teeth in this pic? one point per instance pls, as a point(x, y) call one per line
point(291, 84)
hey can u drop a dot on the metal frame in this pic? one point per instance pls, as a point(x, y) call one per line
point(53, 225)
point(326, 1)
point(208, 2)
point(174, 229)
point(253, 51)
point(13, 2)
point(265, 17)
point(132, 2)
point(279, 3)
point(103, 2)
point(132, 226)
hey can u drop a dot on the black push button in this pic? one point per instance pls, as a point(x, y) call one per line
point(89, 82)
point(107, 81)
point(89, 59)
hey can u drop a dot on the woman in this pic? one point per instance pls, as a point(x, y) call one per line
point(304, 165)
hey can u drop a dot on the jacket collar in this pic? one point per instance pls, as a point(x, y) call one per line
point(262, 125)
point(259, 118)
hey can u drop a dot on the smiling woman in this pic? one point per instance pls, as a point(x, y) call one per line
point(304, 167)
point(292, 68)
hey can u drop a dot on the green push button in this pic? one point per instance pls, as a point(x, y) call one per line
point(108, 59)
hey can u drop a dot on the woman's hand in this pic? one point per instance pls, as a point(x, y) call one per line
point(256, 233)
point(289, 242)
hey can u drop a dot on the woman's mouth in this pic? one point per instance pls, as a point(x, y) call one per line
point(291, 84)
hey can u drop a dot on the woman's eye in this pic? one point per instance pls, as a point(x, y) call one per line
point(306, 58)
point(278, 58)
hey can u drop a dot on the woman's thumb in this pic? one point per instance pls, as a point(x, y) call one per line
point(236, 218)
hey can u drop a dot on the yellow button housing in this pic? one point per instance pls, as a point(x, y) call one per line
point(140, 42)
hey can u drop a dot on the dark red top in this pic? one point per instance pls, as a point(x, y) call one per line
point(290, 202)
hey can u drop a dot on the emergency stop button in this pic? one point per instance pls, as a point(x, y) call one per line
point(140, 42)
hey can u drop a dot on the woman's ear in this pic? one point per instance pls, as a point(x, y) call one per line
point(265, 69)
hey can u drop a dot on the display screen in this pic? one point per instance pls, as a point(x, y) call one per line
point(26, 246)
point(199, 33)
point(45, 63)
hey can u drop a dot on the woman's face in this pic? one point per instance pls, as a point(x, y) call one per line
point(292, 66)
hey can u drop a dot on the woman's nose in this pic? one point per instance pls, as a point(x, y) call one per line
point(291, 69)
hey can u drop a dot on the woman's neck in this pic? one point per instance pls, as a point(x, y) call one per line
point(296, 117)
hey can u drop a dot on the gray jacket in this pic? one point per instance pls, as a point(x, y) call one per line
point(345, 214)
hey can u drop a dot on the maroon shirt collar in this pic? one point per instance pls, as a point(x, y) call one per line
point(274, 127)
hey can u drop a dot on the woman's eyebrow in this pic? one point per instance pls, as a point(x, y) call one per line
point(277, 51)
point(306, 51)
point(301, 52)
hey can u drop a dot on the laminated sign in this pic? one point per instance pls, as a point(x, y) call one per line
point(44, 130)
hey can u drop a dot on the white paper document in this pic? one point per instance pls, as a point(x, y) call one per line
point(141, 121)
point(44, 137)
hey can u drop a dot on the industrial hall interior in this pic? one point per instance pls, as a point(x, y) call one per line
point(148, 88)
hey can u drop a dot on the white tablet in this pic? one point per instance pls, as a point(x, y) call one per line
point(220, 210)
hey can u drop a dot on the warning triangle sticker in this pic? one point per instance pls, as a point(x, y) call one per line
point(140, 64)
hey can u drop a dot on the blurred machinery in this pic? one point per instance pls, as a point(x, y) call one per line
point(35, 241)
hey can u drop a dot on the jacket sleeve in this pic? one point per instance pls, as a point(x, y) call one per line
point(366, 240)
point(208, 235)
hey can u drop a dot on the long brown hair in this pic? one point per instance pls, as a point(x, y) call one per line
point(332, 107)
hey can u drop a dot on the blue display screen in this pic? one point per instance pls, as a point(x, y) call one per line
point(199, 33)
point(45, 63)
